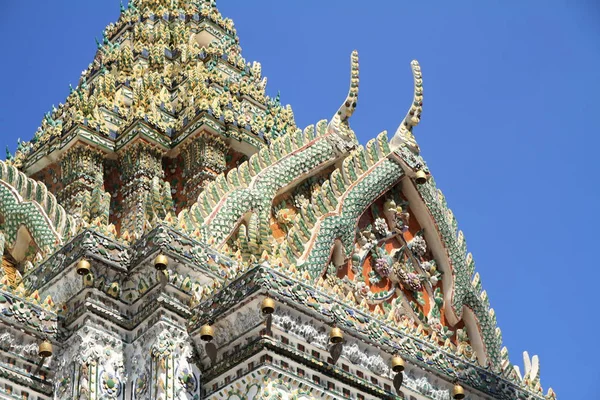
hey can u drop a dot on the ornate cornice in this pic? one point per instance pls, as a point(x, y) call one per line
point(362, 325)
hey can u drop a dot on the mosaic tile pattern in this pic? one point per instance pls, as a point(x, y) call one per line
point(169, 145)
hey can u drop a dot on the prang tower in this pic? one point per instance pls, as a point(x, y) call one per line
point(170, 233)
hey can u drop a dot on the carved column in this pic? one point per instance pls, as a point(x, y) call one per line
point(146, 196)
point(90, 367)
point(203, 159)
point(82, 173)
point(161, 365)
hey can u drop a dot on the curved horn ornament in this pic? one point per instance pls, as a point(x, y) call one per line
point(404, 133)
point(339, 123)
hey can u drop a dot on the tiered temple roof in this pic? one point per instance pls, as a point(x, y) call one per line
point(163, 67)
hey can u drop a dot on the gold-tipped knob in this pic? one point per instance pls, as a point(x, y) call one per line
point(336, 335)
point(161, 262)
point(45, 349)
point(458, 392)
point(83, 267)
point(420, 177)
point(397, 364)
point(207, 333)
point(268, 306)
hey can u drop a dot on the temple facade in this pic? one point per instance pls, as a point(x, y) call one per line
point(170, 233)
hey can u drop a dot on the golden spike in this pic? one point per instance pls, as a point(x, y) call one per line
point(350, 297)
point(264, 256)
point(391, 317)
point(35, 297)
point(49, 303)
point(364, 304)
point(238, 255)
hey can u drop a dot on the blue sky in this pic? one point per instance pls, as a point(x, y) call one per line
point(509, 130)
